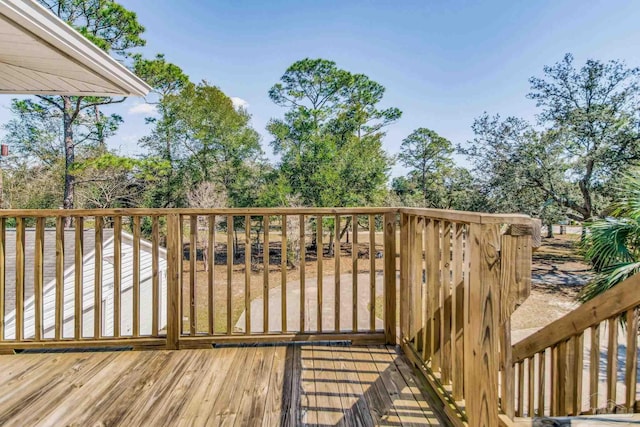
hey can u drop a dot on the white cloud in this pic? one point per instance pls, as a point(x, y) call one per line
point(239, 102)
point(143, 108)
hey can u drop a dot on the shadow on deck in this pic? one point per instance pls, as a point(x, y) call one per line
point(286, 385)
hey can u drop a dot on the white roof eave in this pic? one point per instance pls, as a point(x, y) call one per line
point(37, 22)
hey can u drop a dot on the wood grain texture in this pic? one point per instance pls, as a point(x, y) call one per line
point(247, 274)
point(3, 273)
point(20, 255)
point(174, 270)
point(97, 279)
point(617, 300)
point(193, 255)
point(354, 272)
point(155, 278)
point(631, 361)
point(117, 274)
point(284, 264)
point(390, 321)
point(336, 272)
point(211, 258)
point(136, 276)
point(481, 362)
point(404, 278)
point(594, 367)
point(265, 276)
point(38, 277)
point(59, 310)
point(320, 275)
point(303, 260)
point(270, 385)
point(372, 272)
point(230, 256)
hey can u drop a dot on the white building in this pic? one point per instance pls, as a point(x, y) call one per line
point(88, 284)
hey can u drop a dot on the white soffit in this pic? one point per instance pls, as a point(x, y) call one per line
point(41, 54)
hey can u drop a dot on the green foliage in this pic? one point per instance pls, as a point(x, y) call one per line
point(201, 137)
point(106, 23)
point(428, 157)
point(164, 77)
point(566, 168)
point(612, 245)
point(330, 140)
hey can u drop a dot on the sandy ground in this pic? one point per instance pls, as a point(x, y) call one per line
point(558, 273)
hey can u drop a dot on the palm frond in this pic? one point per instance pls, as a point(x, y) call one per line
point(608, 278)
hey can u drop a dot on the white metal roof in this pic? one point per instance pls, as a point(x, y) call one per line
point(41, 54)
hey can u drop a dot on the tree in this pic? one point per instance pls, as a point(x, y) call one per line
point(428, 155)
point(167, 80)
point(203, 138)
point(588, 136)
point(114, 29)
point(593, 112)
point(330, 140)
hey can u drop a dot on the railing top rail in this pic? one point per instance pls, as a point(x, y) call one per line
point(469, 217)
point(192, 211)
point(615, 301)
point(441, 214)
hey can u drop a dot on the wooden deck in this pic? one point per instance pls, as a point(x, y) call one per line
point(264, 385)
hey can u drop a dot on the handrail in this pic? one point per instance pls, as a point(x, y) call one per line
point(461, 277)
point(562, 346)
point(441, 214)
point(615, 301)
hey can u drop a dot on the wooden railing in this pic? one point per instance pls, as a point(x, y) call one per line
point(185, 277)
point(180, 278)
point(462, 275)
point(584, 362)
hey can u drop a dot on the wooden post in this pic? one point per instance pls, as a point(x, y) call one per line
point(174, 269)
point(514, 289)
point(482, 335)
point(404, 277)
point(390, 278)
point(3, 272)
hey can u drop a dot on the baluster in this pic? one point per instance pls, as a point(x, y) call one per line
point(193, 255)
point(38, 276)
point(230, 271)
point(117, 273)
point(336, 273)
point(155, 278)
point(265, 280)
point(136, 276)
point(211, 256)
point(283, 273)
point(247, 274)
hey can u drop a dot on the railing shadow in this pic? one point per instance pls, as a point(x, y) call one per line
point(342, 385)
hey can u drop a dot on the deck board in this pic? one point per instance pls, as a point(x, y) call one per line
point(243, 386)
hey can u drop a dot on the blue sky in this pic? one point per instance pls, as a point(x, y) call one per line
point(443, 63)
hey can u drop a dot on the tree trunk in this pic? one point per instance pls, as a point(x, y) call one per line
point(69, 154)
point(550, 230)
point(331, 237)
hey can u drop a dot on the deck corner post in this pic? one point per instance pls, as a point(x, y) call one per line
point(482, 324)
point(174, 269)
point(390, 278)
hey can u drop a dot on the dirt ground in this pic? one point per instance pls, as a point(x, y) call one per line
point(256, 289)
point(558, 273)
